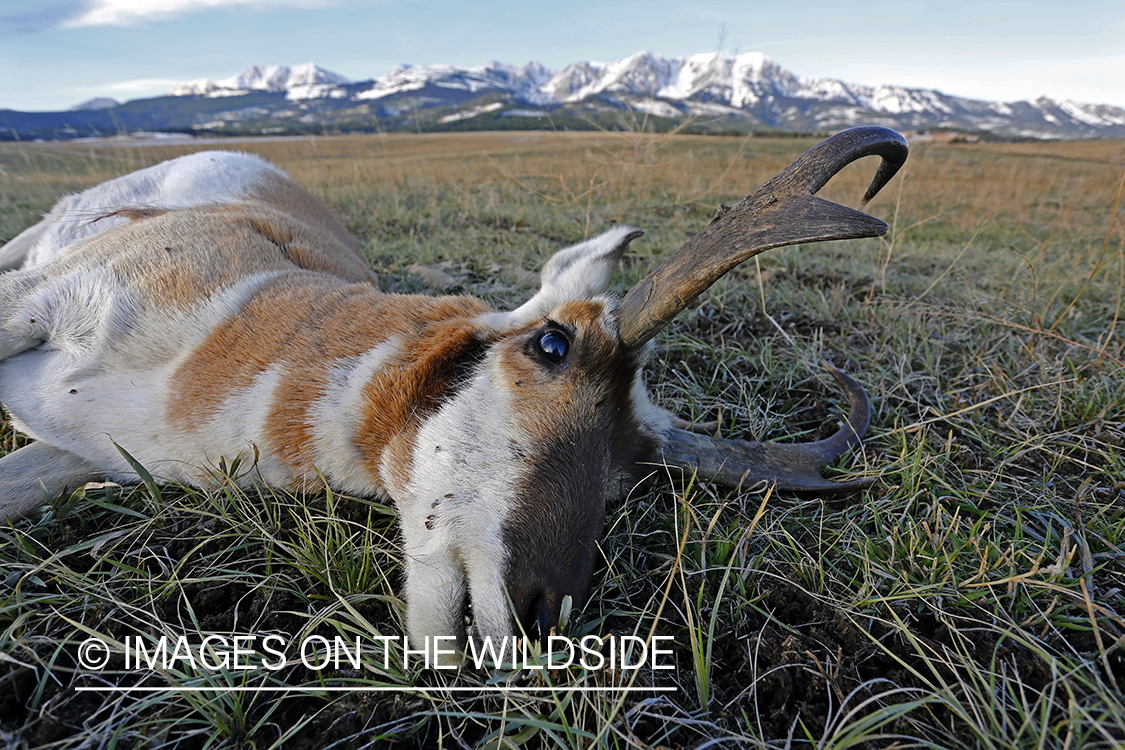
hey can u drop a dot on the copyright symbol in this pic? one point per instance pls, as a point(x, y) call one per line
point(93, 654)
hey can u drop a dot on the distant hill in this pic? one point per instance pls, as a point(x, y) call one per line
point(716, 92)
point(100, 102)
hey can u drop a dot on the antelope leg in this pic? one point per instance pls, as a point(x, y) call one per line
point(36, 474)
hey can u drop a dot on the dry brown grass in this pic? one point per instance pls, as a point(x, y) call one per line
point(973, 597)
point(1047, 185)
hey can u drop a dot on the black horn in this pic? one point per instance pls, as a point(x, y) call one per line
point(783, 211)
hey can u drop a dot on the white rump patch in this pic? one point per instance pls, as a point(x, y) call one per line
point(203, 179)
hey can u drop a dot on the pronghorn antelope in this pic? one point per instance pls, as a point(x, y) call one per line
point(207, 308)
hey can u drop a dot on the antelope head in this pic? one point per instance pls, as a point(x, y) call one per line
point(567, 412)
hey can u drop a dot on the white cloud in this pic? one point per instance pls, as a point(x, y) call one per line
point(131, 12)
point(141, 86)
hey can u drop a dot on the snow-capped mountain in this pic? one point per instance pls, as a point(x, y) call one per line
point(754, 87)
point(734, 80)
point(308, 81)
point(748, 87)
point(522, 82)
point(718, 91)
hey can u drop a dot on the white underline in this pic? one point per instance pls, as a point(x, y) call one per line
point(370, 689)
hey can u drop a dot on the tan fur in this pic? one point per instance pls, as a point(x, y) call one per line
point(291, 200)
point(570, 394)
point(308, 322)
point(177, 258)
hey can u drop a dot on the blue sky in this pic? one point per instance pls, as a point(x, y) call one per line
point(56, 53)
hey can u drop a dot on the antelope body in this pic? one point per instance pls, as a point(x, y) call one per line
point(207, 309)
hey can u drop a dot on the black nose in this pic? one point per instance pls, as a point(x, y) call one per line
point(544, 623)
point(538, 620)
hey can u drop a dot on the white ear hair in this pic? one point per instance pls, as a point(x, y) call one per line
point(577, 272)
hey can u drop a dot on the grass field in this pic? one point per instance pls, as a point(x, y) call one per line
point(973, 597)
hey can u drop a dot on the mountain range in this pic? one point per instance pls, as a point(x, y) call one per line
point(715, 92)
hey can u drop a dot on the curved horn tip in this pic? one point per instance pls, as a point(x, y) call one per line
point(844, 379)
point(893, 147)
point(861, 405)
point(840, 376)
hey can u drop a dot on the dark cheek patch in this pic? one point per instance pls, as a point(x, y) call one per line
point(557, 519)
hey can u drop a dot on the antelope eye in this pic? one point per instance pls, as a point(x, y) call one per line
point(553, 345)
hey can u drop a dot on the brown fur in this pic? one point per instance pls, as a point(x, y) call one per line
point(305, 323)
point(416, 382)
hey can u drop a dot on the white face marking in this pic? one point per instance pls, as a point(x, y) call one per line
point(335, 420)
point(453, 510)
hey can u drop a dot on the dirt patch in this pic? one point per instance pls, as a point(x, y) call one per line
point(797, 659)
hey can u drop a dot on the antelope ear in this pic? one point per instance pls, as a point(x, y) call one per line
point(577, 272)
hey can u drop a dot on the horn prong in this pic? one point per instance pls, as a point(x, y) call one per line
point(783, 211)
